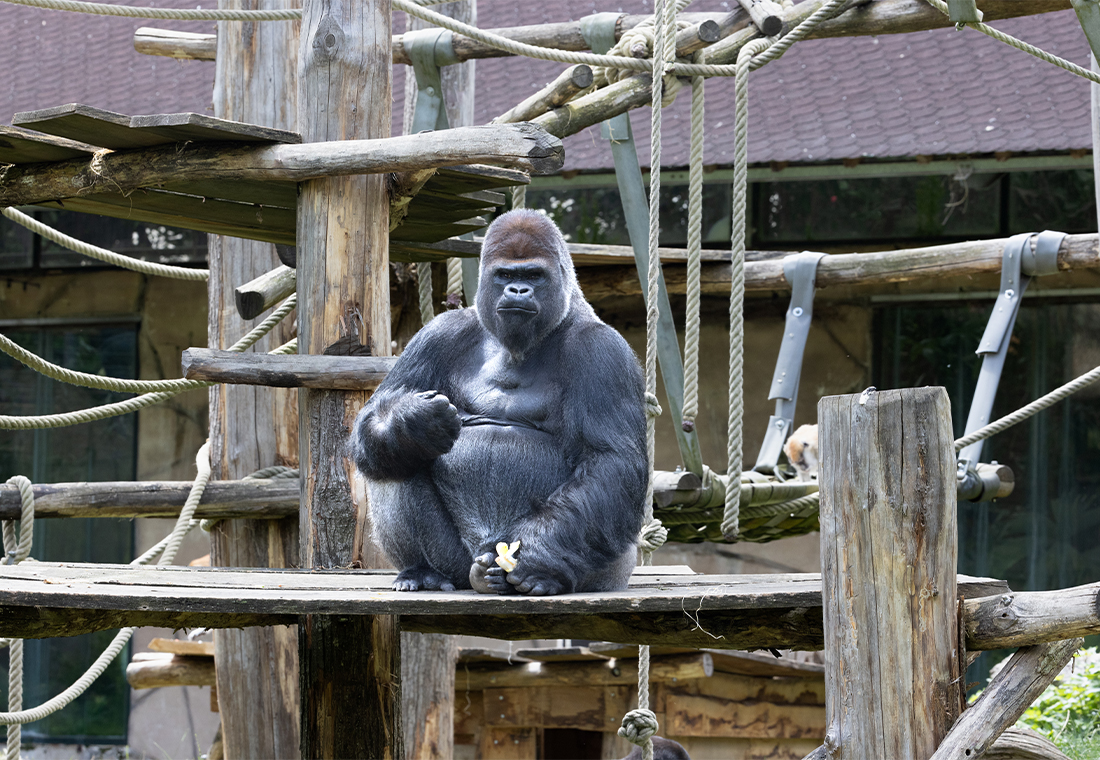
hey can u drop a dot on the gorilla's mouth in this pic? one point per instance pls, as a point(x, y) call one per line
point(517, 309)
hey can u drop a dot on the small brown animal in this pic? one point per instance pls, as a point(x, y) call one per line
point(801, 451)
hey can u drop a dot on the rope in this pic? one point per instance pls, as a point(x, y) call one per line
point(511, 46)
point(694, 258)
point(16, 715)
point(519, 196)
point(1030, 410)
point(18, 548)
point(117, 259)
point(730, 517)
point(12, 422)
point(106, 9)
point(454, 283)
point(1021, 45)
point(424, 289)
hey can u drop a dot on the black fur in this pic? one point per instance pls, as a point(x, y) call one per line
point(522, 419)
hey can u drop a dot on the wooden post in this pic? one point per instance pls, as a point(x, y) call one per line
point(350, 667)
point(889, 546)
point(253, 427)
point(428, 659)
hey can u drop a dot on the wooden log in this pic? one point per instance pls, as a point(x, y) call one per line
point(269, 499)
point(677, 667)
point(255, 297)
point(170, 670)
point(563, 88)
point(888, 552)
point(361, 373)
point(1009, 693)
point(350, 666)
point(980, 257)
point(766, 16)
point(1023, 744)
point(253, 427)
point(523, 146)
point(173, 44)
point(1030, 617)
point(182, 646)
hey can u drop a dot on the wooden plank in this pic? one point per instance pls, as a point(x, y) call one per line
point(889, 545)
point(696, 715)
point(521, 145)
point(21, 146)
point(182, 646)
point(197, 127)
point(1010, 692)
point(740, 688)
point(170, 670)
point(1019, 619)
point(579, 707)
point(232, 498)
point(281, 194)
point(562, 654)
point(671, 668)
point(475, 655)
point(408, 250)
point(740, 663)
point(105, 129)
point(508, 744)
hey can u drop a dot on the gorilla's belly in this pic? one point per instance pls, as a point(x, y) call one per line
point(507, 471)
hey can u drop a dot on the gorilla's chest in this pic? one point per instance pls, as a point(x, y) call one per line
point(503, 393)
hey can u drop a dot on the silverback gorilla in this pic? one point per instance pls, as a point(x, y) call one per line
point(520, 420)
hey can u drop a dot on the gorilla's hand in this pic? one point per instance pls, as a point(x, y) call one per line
point(428, 420)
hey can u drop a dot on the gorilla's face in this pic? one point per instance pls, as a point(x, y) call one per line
point(526, 297)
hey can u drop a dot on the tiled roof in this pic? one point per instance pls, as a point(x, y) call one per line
point(893, 96)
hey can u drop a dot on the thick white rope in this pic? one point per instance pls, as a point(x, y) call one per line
point(13, 422)
point(172, 543)
point(1008, 39)
point(454, 283)
point(107, 9)
point(424, 291)
point(694, 258)
point(95, 252)
point(519, 196)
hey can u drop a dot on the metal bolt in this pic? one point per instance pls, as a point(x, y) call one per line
point(797, 311)
point(1010, 293)
point(501, 697)
point(779, 423)
point(502, 715)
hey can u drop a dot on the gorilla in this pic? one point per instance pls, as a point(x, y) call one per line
point(522, 419)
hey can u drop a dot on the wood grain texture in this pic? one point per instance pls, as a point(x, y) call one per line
point(253, 427)
point(1023, 678)
point(1023, 618)
point(557, 93)
point(361, 373)
point(350, 666)
point(170, 670)
point(1023, 744)
point(262, 293)
point(889, 552)
point(524, 146)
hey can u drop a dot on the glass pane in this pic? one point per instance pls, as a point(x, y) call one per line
point(1064, 201)
point(104, 450)
point(143, 240)
point(16, 241)
point(885, 208)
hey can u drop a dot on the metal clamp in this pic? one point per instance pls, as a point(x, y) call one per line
point(429, 49)
point(801, 271)
point(963, 12)
point(1020, 262)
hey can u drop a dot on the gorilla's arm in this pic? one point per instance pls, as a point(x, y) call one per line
point(410, 420)
point(597, 514)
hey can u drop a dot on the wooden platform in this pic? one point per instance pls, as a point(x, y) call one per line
point(668, 606)
point(450, 204)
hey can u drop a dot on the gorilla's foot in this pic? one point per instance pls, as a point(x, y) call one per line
point(421, 579)
point(487, 578)
point(535, 584)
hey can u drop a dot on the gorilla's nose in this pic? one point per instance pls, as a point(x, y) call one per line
point(518, 290)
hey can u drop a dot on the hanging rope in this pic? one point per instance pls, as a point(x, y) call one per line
point(519, 196)
point(95, 252)
point(694, 258)
point(12, 422)
point(424, 291)
point(17, 715)
point(454, 283)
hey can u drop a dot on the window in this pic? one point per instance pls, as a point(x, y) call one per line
point(21, 249)
point(104, 450)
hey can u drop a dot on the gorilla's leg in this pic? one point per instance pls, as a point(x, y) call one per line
point(419, 536)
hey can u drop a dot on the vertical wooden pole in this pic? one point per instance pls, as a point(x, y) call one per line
point(252, 427)
point(350, 667)
point(428, 659)
point(889, 546)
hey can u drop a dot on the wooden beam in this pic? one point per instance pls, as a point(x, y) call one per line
point(258, 295)
point(1030, 617)
point(362, 373)
point(888, 555)
point(557, 93)
point(979, 257)
point(675, 667)
point(1023, 744)
point(267, 499)
point(350, 666)
point(155, 670)
point(1011, 691)
point(522, 146)
point(173, 44)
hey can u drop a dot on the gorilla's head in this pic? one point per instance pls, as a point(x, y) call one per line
point(527, 283)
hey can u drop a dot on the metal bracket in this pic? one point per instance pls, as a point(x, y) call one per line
point(1088, 14)
point(1019, 263)
point(801, 271)
point(429, 49)
point(963, 12)
point(599, 31)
